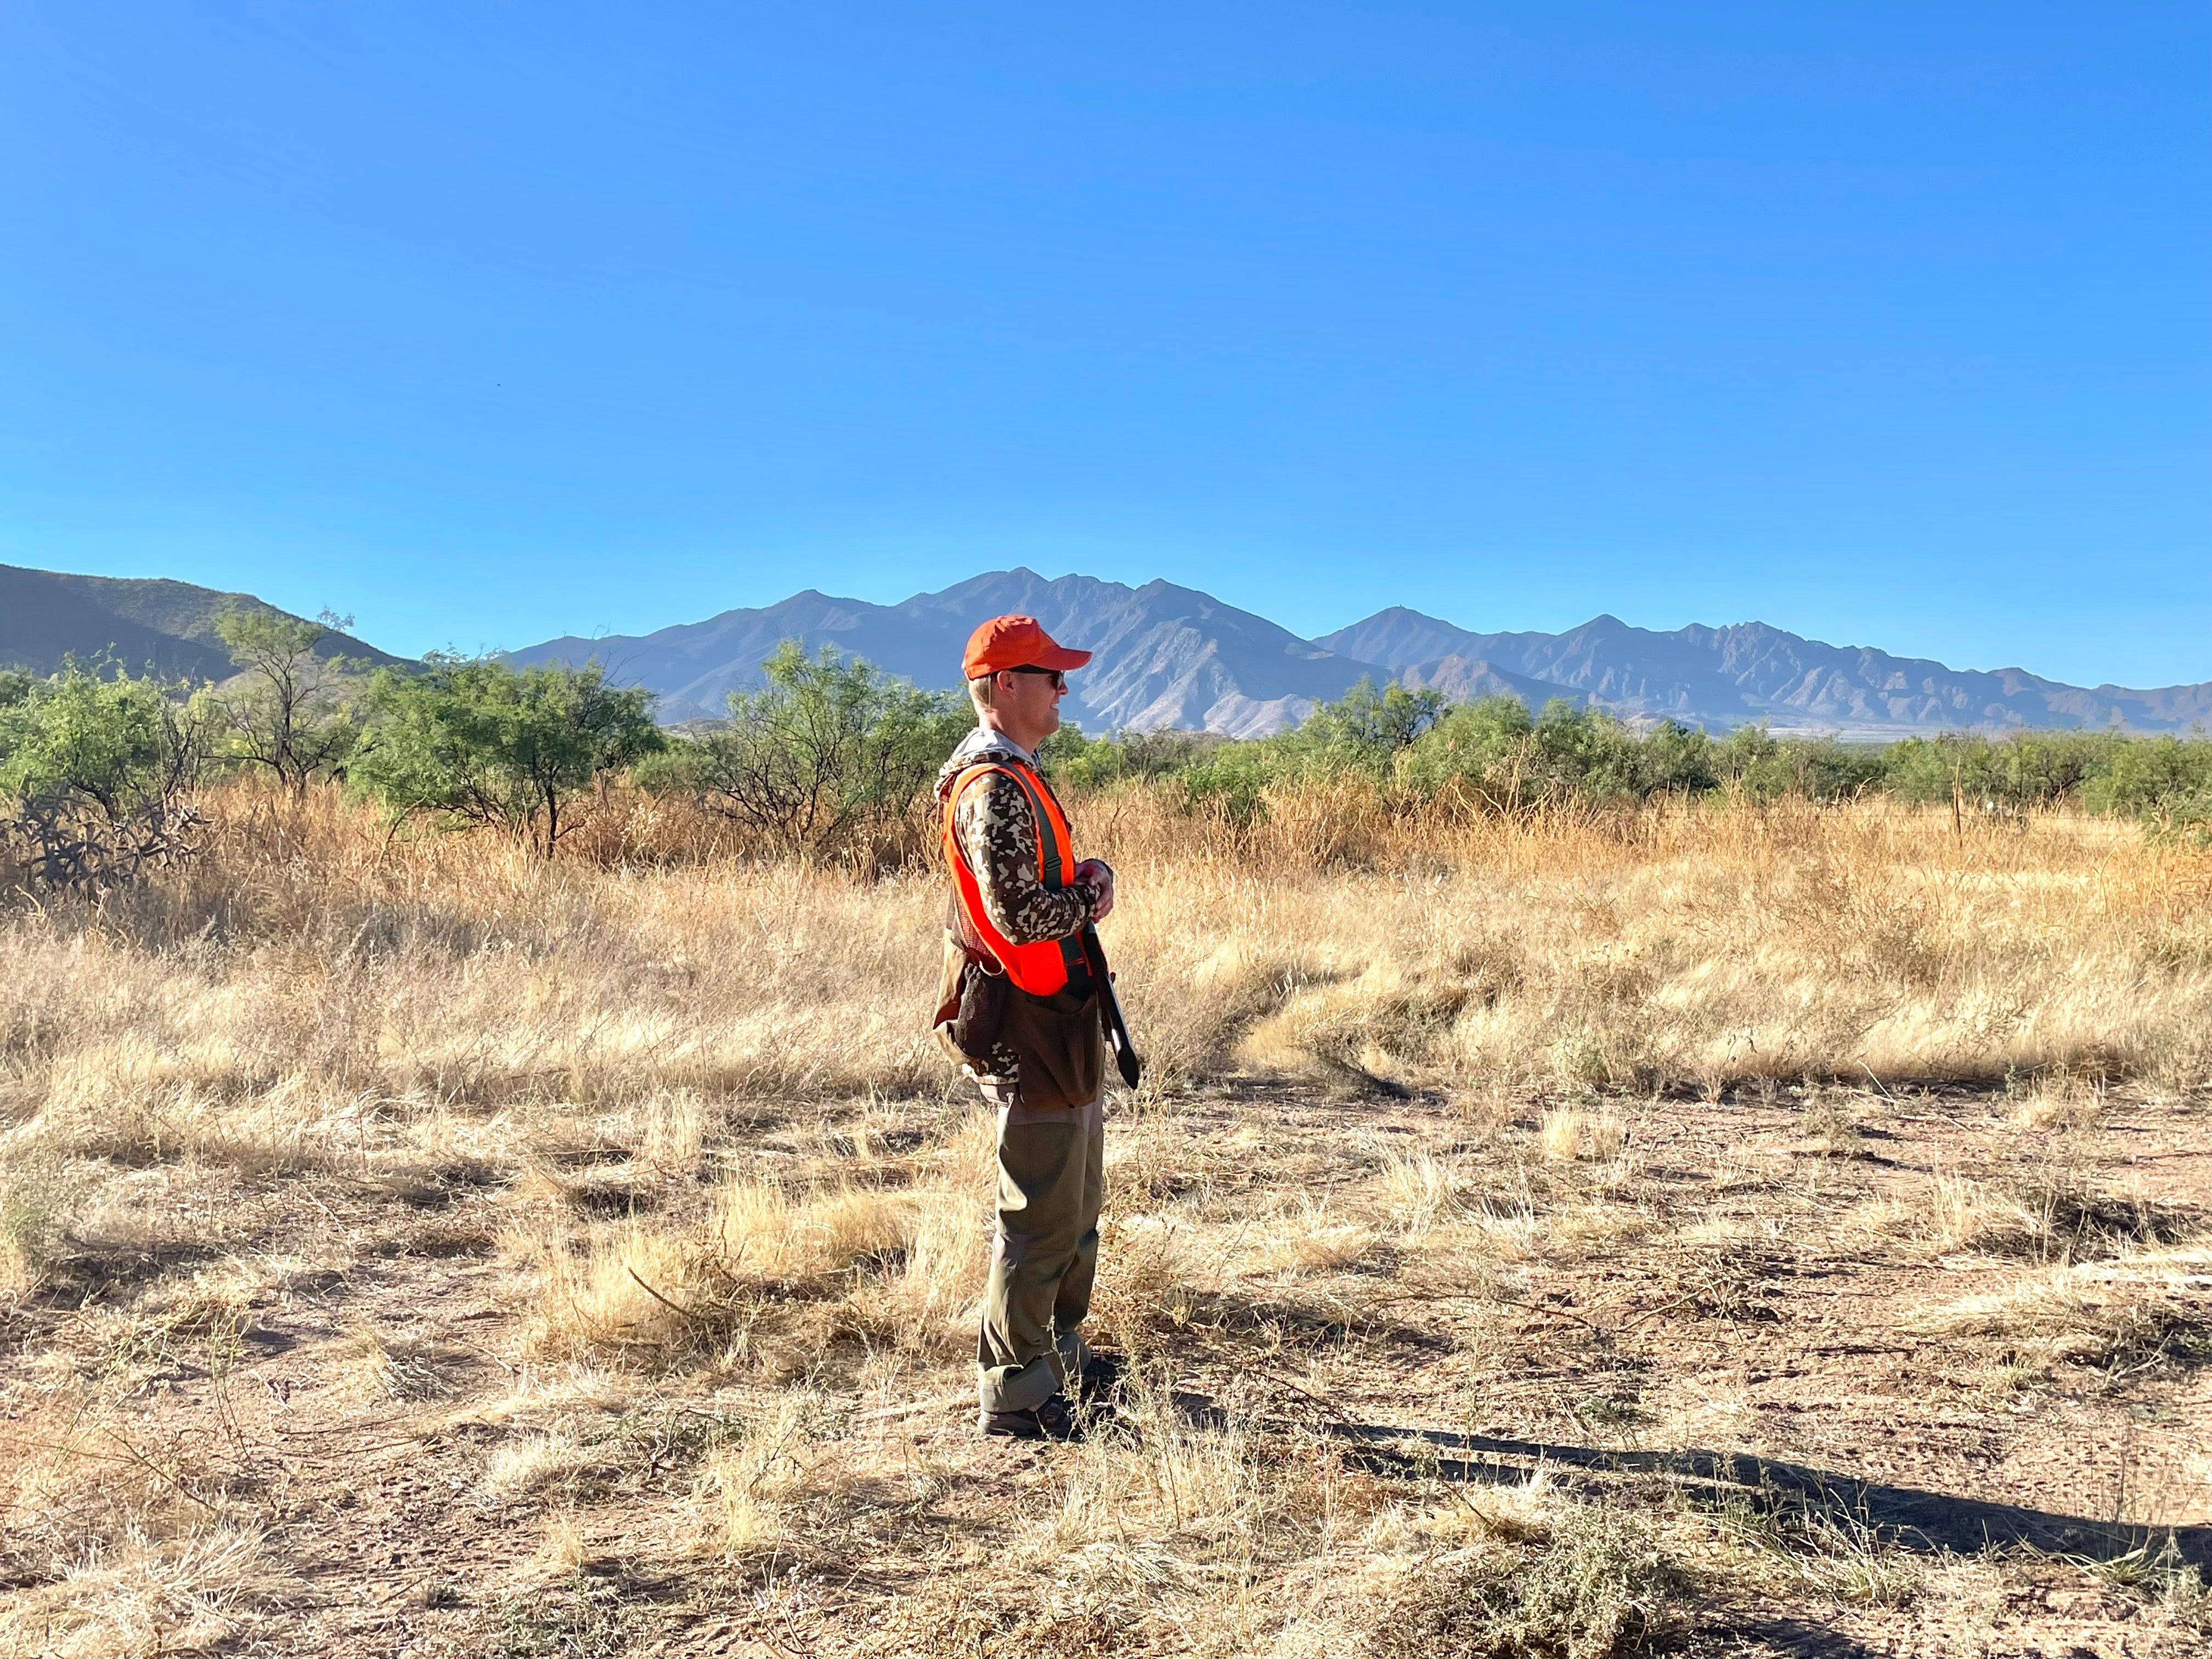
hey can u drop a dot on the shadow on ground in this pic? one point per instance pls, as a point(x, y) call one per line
point(1915, 1518)
point(1906, 1515)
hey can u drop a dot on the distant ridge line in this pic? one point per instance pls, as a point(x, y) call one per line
point(1167, 656)
point(1173, 657)
point(143, 621)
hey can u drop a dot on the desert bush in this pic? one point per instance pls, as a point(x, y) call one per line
point(1095, 763)
point(2029, 769)
point(1760, 766)
point(96, 772)
point(471, 741)
point(827, 760)
point(2165, 781)
point(1367, 729)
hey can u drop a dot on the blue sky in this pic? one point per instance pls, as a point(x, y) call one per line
point(1890, 325)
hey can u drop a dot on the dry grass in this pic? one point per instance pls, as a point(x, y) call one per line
point(1583, 1584)
point(624, 1205)
point(2145, 1304)
point(308, 996)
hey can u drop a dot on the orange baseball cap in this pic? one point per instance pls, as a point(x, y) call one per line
point(1016, 642)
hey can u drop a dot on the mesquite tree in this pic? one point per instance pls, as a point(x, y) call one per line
point(830, 752)
point(470, 740)
point(288, 710)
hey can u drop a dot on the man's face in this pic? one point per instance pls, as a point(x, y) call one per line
point(1031, 702)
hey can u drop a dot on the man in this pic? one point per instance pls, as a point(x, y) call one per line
point(1019, 1009)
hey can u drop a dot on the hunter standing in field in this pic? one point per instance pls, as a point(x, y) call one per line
point(1018, 1008)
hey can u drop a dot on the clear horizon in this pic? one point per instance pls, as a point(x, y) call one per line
point(362, 634)
point(1887, 329)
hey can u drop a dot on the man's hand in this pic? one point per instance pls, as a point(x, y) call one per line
point(1094, 872)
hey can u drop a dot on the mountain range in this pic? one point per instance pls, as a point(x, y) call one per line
point(142, 623)
point(1170, 656)
point(1723, 677)
point(1165, 656)
point(1173, 657)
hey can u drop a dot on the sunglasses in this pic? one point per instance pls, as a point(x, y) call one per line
point(1059, 679)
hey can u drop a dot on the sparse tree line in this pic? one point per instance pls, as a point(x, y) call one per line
point(1413, 744)
point(99, 768)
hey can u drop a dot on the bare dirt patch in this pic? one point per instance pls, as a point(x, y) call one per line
point(1405, 1381)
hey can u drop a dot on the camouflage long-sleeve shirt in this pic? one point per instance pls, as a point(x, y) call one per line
point(998, 836)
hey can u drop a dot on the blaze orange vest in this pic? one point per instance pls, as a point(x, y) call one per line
point(1040, 968)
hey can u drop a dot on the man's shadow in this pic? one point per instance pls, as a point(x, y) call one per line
point(1905, 1515)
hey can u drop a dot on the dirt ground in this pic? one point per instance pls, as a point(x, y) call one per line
point(1871, 1360)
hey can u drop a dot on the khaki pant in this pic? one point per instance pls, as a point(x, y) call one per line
point(1052, 1181)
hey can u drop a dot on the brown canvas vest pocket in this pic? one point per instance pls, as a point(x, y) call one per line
point(1061, 1047)
point(971, 1007)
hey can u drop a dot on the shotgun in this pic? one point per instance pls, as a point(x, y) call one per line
point(1109, 1009)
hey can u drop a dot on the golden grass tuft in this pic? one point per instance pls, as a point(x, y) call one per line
point(2051, 1214)
point(200, 1593)
point(1560, 1134)
point(527, 1466)
point(742, 1501)
point(2143, 1303)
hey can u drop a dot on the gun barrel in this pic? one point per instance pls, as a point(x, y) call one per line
point(1109, 1009)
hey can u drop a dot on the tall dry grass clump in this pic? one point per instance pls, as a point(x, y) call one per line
point(1692, 945)
point(312, 991)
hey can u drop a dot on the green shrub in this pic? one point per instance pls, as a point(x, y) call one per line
point(1676, 759)
point(93, 772)
point(2027, 769)
point(1365, 730)
point(1763, 767)
point(825, 757)
point(2151, 776)
point(1489, 741)
point(1068, 756)
point(470, 740)
point(2163, 781)
point(1232, 778)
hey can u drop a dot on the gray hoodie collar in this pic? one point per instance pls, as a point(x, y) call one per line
point(985, 744)
point(980, 745)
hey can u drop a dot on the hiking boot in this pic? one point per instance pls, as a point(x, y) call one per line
point(1053, 1420)
point(1101, 1377)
